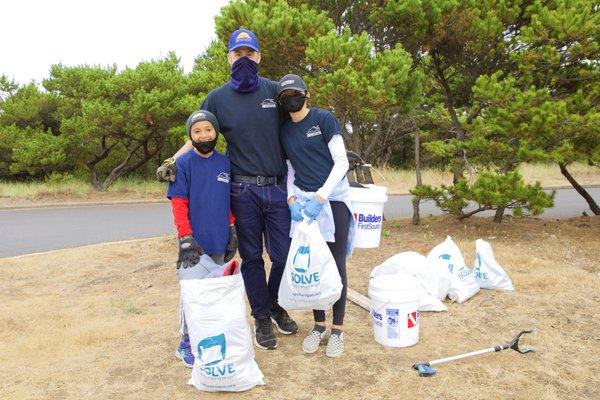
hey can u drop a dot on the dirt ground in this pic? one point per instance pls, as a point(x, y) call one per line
point(101, 322)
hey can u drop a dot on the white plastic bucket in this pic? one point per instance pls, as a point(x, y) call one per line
point(395, 309)
point(367, 206)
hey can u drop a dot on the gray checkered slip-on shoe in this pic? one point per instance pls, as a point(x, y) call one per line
point(312, 341)
point(335, 345)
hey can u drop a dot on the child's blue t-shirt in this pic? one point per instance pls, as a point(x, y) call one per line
point(205, 183)
point(305, 145)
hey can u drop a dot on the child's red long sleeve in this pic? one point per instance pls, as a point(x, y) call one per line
point(231, 218)
point(181, 216)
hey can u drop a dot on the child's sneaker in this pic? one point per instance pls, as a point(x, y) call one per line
point(184, 353)
point(335, 345)
point(312, 340)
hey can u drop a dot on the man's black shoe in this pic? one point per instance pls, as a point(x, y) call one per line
point(264, 338)
point(284, 323)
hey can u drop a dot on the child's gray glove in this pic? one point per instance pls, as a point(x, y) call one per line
point(189, 252)
point(167, 171)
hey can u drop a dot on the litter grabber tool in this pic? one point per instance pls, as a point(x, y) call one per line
point(425, 369)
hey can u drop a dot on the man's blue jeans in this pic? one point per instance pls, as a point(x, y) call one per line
point(261, 212)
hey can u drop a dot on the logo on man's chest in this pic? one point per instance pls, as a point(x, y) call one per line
point(223, 177)
point(268, 103)
point(314, 131)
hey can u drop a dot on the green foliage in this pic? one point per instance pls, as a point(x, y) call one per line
point(489, 84)
point(29, 129)
point(367, 90)
point(211, 70)
point(7, 88)
point(39, 153)
point(125, 118)
point(489, 191)
point(10, 136)
point(283, 32)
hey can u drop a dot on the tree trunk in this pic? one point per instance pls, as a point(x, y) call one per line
point(459, 164)
point(365, 172)
point(416, 219)
point(356, 140)
point(416, 212)
point(92, 163)
point(94, 178)
point(499, 214)
point(580, 189)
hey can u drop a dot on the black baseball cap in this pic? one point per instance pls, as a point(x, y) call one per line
point(293, 82)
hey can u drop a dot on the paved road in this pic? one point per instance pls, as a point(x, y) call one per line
point(567, 203)
point(35, 230)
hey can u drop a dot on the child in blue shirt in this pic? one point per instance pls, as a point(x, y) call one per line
point(200, 202)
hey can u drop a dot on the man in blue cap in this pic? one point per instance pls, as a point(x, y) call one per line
point(247, 112)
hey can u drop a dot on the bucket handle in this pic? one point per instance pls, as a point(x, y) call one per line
point(386, 303)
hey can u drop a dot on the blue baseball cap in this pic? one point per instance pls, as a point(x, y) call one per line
point(243, 38)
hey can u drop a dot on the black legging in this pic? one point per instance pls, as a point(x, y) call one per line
point(341, 219)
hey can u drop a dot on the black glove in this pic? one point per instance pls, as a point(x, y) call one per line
point(167, 171)
point(233, 244)
point(189, 252)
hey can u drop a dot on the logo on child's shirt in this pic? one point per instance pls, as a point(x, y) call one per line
point(268, 103)
point(314, 131)
point(223, 177)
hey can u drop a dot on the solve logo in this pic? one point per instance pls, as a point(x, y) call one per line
point(447, 257)
point(268, 103)
point(223, 177)
point(314, 131)
point(300, 266)
point(478, 273)
point(212, 351)
point(301, 260)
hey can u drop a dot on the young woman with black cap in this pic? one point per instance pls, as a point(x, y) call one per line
point(318, 189)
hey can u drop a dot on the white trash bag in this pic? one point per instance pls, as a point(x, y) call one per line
point(463, 284)
point(434, 279)
point(488, 272)
point(215, 313)
point(311, 280)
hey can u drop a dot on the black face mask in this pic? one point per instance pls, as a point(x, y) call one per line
point(293, 103)
point(205, 147)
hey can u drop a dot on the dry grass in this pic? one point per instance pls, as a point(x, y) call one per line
point(101, 322)
point(60, 190)
point(401, 181)
point(57, 191)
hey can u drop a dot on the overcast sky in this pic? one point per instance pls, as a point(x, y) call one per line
point(34, 34)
